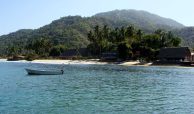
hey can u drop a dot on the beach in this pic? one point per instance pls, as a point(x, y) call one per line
point(98, 62)
point(88, 61)
point(95, 62)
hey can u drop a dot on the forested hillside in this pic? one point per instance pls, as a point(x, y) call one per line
point(187, 34)
point(71, 32)
point(142, 19)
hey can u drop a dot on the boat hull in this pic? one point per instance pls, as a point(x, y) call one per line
point(44, 72)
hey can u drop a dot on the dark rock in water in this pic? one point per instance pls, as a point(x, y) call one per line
point(16, 58)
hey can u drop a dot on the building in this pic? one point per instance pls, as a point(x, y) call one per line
point(109, 56)
point(175, 54)
point(71, 53)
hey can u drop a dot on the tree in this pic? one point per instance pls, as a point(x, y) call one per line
point(139, 34)
point(13, 50)
point(128, 41)
point(57, 50)
point(124, 51)
point(176, 41)
point(40, 46)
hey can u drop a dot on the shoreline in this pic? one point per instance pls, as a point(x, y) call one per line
point(88, 61)
point(58, 61)
point(93, 62)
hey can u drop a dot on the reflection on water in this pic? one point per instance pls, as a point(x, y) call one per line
point(97, 89)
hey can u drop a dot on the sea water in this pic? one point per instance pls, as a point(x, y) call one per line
point(97, 89)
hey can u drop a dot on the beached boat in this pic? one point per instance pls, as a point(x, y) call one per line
point(44, 71)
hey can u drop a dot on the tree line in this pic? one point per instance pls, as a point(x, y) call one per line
point(37, 48)
point(130, 42)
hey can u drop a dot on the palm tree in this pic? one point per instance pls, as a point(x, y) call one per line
point(139, 34)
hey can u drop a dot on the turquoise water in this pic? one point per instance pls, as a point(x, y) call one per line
point(100, 89)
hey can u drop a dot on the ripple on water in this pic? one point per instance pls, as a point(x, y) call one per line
point(97, 89)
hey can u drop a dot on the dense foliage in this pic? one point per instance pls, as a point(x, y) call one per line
point(130, 42)
point(71, 31)
point(187, 34)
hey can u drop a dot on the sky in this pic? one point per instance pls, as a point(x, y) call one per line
point(32, 14)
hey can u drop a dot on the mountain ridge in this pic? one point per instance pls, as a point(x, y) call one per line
point(141, 15)
point(179, 25)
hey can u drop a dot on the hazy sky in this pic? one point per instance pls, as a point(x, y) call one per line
point(32, 14)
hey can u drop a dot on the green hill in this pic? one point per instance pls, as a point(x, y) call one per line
point(72, 31)
point(187, 34)
point(141, 19)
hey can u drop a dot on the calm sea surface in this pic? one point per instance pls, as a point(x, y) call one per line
point(101, 89)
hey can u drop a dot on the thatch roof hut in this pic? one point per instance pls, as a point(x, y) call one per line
point(175, 54)
point(109, 56)
point(74, 53)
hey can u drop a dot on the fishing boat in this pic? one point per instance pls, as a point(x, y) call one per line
point(44, 71)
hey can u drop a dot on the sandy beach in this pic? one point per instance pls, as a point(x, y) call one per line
point(135, 63)
point(93, 62)
point(89, 61)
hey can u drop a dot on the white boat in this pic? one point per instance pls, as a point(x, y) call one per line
point(44, 71)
